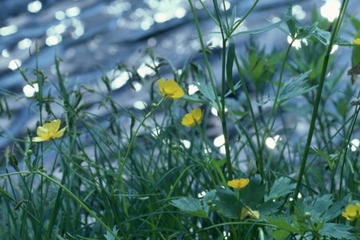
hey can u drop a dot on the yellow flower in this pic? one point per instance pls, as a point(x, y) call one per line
point(170, 88)
point(239, 183)
point(49, 131)
point(357, 41)
point(351, 212)
point(193, 118)
point(248, 212)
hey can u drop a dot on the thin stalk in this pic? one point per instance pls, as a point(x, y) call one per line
point(345, 146)
point(222, 96)
point(318, 95)
point(126, 157)
point(73, 196)
point(259, 157)
point(220, 105)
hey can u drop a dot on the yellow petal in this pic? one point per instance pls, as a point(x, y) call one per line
point(53, 126)
point(188, 120)
point(357, 41)
point(161, 84)
point(173, 89)
point(238, 183)
point(37, 139)
point(357, 205)
point(170, 88)
point(248, 212)
point(41, 131)
point(197, 115)
point(60, 133)
point(193, 118)
point(178, 94)
point(48, 131)
point(350, 212)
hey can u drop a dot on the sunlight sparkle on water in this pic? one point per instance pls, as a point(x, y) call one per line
point(72, 12)
point(215, 112)
point(270, 142)
point(186, 143)
point(34, 6)
point(120, 79)
point(141, 105)
point(14, 64)
point(355, 143)
point(297, 43)
point(298, 12)
point(219, 141)
point(192, 89)
point(137, 86)
point(24, 44)
point(60, 15)
point(5, 53)
point(145, 70)
point(53, 40)
point(225, 5)
point(330, 10)
point(29, 91)
point(8, 30)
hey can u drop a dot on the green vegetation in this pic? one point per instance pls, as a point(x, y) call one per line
point(156, 173)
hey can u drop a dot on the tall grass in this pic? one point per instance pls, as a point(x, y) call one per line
point(285, 123)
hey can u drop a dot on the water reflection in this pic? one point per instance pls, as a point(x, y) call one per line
point(34, 6)
point(30, 90)
point(8, 30)
point(14, 64)
point(330, 10)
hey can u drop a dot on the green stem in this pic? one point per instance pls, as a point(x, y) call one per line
point(318, 96)
point(259, 155)
point(220, 105)
point(126, 157)
point(222, 97)
point(73, 196)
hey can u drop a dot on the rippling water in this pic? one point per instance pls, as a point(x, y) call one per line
point(92, 36)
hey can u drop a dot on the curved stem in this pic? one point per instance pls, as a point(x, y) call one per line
point(318, 96)
point(73, 196)
point(126, 157)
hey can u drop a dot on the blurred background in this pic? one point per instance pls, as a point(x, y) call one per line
point(92, 37)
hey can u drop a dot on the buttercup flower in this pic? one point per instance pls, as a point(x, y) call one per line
point(49, 131)
point(357, 41)
point(170, 88)
point(239, 183)
point(193, 118)
point(351, 212)
point(248, 212)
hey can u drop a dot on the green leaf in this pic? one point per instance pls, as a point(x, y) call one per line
point(280, 234)
point(282, 224)
point(355, 56)
point(292, 23)
point(266, 28)
point(206, 89)
point(194, 99)
point(306, 32)
point(233, 17)
point(336, 209)
point(228, 204)
point(209, 197)
point(252, 195)
point(294, 88)
point(109, 236)
point(229, 64)
point(281, 187)
point(316, 206)
point(337, 231)
point(190, 205)
point(321, 36)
